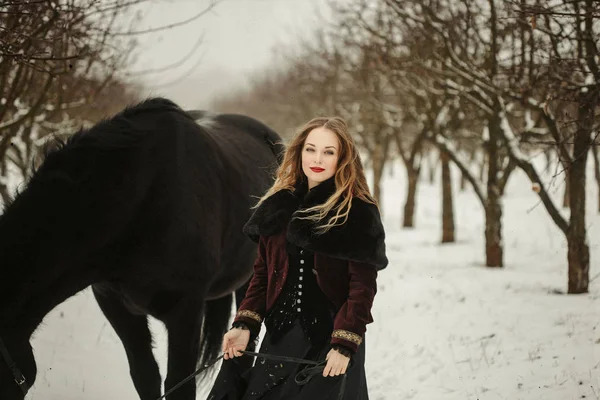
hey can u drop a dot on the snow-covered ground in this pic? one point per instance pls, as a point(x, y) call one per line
point(445, 326)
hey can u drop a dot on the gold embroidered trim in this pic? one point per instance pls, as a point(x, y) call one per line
point(349, 336)
point(250, 314)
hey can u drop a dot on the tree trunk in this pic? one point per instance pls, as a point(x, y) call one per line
point(447, 201)
point(578, 249)
point(579, 261)
point(493, 208)
point(493, 231)
point(411, 194)
point(595, 152)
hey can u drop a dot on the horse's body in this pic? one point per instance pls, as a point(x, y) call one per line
point(148, 208)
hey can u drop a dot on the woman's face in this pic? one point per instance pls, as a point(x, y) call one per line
point(320, 155)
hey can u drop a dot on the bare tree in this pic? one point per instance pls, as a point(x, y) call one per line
point(301, 83)
point(332, 74)
point(369, 27)
point(569, 63)
point(57, 60)
point(447, 202)
point(465, 63)
point(373, 133)
point(48, 53)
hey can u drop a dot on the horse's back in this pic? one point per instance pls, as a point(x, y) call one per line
point(248, 151)
point(217, 167)
point(179, 188)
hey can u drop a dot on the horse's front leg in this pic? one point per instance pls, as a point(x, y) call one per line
point(137, 340)
point(184, 325)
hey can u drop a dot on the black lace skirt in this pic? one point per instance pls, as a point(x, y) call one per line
point(276, 380)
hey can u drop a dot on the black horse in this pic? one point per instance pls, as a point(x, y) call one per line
point(148, 208)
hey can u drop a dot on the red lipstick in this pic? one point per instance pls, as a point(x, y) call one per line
point(316, 169)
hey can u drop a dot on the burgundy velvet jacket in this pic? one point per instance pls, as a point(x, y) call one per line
point(347, 259)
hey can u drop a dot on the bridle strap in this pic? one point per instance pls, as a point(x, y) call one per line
point(17, 374)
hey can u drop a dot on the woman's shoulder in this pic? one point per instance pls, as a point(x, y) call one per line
point(365, 213)
point(360, 238)
point(272, 215)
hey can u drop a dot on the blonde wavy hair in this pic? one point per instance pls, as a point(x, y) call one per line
point(350, 178)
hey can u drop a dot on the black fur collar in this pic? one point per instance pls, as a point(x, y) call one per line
point(360, 239)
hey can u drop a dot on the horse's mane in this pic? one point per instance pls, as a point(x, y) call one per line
point(114, 125)
point(107, 135)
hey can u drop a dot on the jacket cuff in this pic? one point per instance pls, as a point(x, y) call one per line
point(251, 319)
point(349, 340)
point(254, 331)
point(343, 350)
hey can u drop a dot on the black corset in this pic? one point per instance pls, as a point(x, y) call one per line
point(301, 298)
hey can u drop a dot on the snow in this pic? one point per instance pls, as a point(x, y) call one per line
point(589, 79)
point(485, 135)
point(446, 327)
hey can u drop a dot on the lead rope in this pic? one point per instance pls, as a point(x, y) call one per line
point(305, 375)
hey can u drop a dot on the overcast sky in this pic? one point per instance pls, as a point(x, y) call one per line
point(239, 36)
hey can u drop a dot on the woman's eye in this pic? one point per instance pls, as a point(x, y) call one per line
point(329, 152)
point(309, 149)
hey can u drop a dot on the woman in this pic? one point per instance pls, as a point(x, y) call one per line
point(320, 245)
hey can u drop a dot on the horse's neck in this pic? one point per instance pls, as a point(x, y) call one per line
point(46, 236)
point(35, 278)
point(33, 301)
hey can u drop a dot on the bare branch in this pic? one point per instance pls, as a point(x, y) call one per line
point(444, 145)
point(520, 159)
point(173, 25)
point(173, 65)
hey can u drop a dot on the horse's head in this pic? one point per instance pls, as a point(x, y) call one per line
point(17, 366)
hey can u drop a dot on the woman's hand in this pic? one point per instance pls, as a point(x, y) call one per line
point(337, 363)
point(235, 341)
